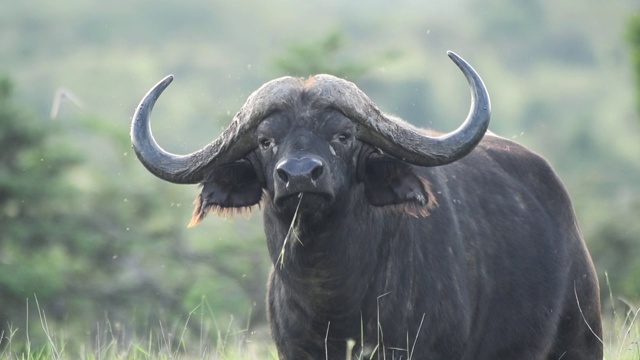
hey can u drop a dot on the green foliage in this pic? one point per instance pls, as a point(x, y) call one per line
point(35, 238)
point(617, 251)
point(633, 38)
point(92, 244)
point(323, 57)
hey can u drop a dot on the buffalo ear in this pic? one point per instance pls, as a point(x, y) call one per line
point(389, 181)
point(227, 189)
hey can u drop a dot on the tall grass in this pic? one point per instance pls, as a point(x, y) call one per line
point(108, 341)
point(622, 340)
point(622, 328)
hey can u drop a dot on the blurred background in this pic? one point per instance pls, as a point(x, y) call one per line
point(93, 247)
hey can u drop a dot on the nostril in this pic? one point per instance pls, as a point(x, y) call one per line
point(282, 174)
point(299, 172)
point(316, 172)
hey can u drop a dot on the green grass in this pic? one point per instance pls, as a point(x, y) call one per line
point(621, 328)
point(622, 336)
point(621, 340)
point(158, 344)
point(110, 341)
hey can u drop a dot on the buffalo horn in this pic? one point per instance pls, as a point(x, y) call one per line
point(235, 141)
point(401, 139)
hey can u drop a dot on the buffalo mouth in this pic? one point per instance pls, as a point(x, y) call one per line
point(304, 202)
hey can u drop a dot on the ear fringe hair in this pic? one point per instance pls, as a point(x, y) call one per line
point(414, 208)
point(431, 204)
point(200, 211)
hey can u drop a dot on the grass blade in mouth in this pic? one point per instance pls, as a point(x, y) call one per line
point(290, 232)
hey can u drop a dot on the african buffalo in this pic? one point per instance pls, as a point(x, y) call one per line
point(413, 244)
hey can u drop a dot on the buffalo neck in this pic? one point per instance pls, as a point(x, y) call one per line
point(328, 266)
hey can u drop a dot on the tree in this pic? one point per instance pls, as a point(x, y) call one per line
point(67, 247)
point(633, 37)
point(616, 247)
point(322, 56)
point(93, 243)
point(34, 241)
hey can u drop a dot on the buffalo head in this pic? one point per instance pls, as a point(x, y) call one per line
point(305, 144)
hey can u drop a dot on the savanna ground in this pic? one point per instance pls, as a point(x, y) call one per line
point(228, 341)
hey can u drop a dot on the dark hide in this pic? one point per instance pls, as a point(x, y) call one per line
point(478, 259)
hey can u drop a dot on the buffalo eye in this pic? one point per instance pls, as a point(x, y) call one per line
point(264, 142)
point(343, 138)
